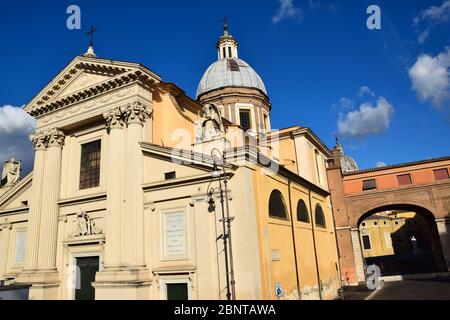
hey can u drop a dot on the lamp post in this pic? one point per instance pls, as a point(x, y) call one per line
point(226, 222)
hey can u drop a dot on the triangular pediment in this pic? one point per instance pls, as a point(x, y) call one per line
point(82, 81)
point(18, 196)
point(83, 78)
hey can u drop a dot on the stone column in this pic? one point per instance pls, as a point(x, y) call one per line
point(114, 125)
point(39, 141)
point(443, 226)
point(135, 115)
point(357, 252)
point(48, 234)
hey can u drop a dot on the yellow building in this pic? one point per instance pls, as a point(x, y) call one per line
point(124, 201)
point(393, 232)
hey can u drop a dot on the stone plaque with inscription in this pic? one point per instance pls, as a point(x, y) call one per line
point(174, 224)
point(19, 256)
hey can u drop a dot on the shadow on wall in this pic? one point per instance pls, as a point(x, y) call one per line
point(413, 249)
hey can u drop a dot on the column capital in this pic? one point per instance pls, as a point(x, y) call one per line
point(39, 140)
point(114, 119)
point(55, 137)
point(136, 112)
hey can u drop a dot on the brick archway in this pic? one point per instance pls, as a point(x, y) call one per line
point(392, 205)
point(431, 227)
point(359, 194)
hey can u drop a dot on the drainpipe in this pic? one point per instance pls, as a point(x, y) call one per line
point(315, 249)
point(293, 241)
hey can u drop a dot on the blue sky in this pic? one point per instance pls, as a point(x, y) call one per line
point(386, 92)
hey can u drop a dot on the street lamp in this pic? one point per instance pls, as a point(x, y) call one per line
point(226, 220)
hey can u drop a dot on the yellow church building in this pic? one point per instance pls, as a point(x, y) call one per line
point(140, 192)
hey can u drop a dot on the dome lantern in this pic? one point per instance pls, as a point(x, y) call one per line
point(227, 46)
point(235, 88)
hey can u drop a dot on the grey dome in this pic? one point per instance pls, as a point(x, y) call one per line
point(348, 164)
point(231, 72)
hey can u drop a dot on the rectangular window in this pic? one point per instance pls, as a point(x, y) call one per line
point(441, 174)
point(233, 65)
point(177, 291)
point(90, 165)
point(369, 184)
point(229, 52)
point(244, 116)
point(366, 242)
point(404, 179)
point(170, 175)
point(266, 124)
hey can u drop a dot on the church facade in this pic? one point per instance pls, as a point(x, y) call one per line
point(136, 186)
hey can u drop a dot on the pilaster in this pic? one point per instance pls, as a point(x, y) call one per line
point(48, 234)
point(135, 115)
point(124, 276)
point(357, 252)
point(114, 125)
point(443, 226)
point(39, 140)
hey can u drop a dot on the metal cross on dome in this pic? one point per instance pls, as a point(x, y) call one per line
point(225, 22)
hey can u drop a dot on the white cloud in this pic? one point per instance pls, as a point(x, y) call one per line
point(15, 119)
point(423, 36)
point(365, 90)
point(435, 13)
point(15, 127)
point(380, 164)
point(430, 77)
point(287, 10)
point(432, 16)
point(368, 119)
point(346, 103)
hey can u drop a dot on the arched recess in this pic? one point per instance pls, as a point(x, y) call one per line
point(277, 206)
point(302, 212)
point(424, 212)
point(319, 216)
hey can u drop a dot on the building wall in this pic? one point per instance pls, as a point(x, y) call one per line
point(263, 247)
point(387, 179)
point(351, 204)
point(277, 245)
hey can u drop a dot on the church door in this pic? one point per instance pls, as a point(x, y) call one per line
point(87, 268)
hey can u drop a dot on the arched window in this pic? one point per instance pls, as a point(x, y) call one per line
point(320, 217)
point(277, 209)
point(302, 212)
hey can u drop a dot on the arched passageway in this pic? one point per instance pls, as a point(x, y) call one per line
point(401, 239)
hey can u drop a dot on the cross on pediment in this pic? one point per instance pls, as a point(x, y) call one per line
point(90, 33)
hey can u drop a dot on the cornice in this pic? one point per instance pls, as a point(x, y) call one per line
point(235, 92)
point(121, 72)
point(93, 91)
point(396, 166)
point(83, 199)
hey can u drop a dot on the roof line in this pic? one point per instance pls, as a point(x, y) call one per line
point(399, 165)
